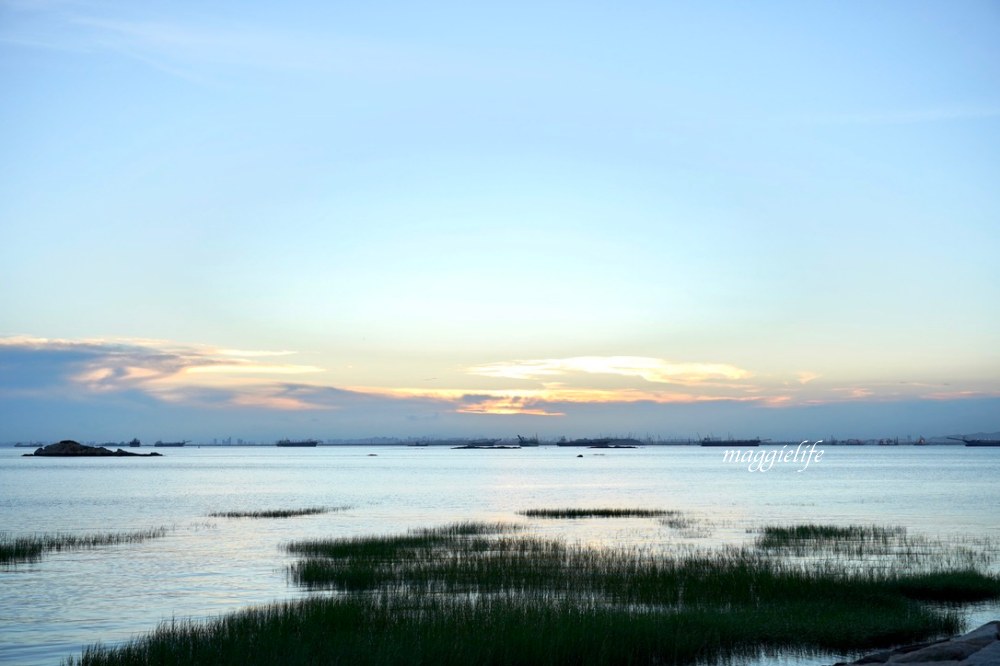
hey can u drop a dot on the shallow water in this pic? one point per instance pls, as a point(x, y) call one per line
point(205, 566)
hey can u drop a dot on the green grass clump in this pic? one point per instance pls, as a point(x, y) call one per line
point(949, 586)
point(387, 547)
point(596, 513)
point(277, 513)
point(795, 535)
point(867, 546)
point(32, 548)
point(482, 593)
point(484, 560)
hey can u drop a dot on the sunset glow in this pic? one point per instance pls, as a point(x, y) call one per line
point(456, 219)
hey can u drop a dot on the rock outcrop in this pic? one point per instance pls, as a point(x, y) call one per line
point(976, 648)
point(68, 448)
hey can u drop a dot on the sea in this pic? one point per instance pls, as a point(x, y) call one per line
point(205, 566)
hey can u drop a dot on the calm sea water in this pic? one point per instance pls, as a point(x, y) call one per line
point(206, 566)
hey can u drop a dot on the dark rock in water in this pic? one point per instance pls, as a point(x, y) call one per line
point(68, 449)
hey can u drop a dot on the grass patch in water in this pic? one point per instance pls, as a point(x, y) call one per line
point(479, 593)
point(794, 535)
point(596, 513)
point(278, 513)
point(382, 547)
point(875, 546)
point(32, 548)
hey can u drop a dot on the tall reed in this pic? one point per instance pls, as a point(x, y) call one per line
point(32, 548)
point(278, 513)
point(596, 513)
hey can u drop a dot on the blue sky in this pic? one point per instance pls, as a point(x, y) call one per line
point(258, 220)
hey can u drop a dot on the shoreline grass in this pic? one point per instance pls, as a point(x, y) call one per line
point(484, 593)
point(392, 630)
point(278, 513)
point(32, 548)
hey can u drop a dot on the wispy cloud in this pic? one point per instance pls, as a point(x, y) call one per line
point(152, 366)
point(805, 376)
point(941, 114)
point(192, 47)
point(550, 401)
point(654, 370)
point(215, 378)
point(99, 388)
point(241, 46)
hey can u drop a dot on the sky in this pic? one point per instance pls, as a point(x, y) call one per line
point(665, 219)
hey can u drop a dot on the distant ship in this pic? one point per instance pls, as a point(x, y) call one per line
point(301, 442)
point(736, 443)
point(133, 442)
point(977, 442)
point(159, 443)
point(527, 441)
point(484, 444)
point(600, 441)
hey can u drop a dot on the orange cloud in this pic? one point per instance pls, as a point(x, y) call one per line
point(541, 402)
point(279, 402)
point(506, 405)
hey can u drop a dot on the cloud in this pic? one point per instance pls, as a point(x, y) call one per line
point(510, 404)
point(943, 114)
point(156, 367)
point(805, 377)
point(158, 387)
point(243, 46)
point(653, 370)
point(190, 47)
point(247, 353)
point(549, 401)
point(246, 367)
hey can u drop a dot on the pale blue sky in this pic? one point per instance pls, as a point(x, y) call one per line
point(388, 199)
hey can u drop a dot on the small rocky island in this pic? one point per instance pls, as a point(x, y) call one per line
point(67, 448)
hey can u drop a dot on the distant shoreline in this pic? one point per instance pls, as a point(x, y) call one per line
point(550, 444)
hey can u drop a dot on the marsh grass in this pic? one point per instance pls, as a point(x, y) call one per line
point(32, 548)
point(874, 546)
point(596, 513)
point(278, 513)
point(388, 547)
point(810, 534)
point(400, 629)
point(742, 598)
point(482, 593)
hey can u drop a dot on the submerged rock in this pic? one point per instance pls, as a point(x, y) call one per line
point(976, 648)
point(69, 448)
